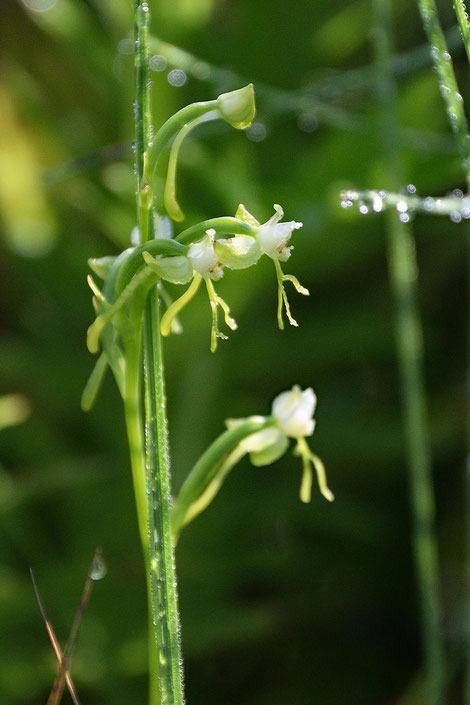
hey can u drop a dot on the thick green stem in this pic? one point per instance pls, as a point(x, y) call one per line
point(403, 270)
point(162, 566)
point(161, 569)
point(134, 425)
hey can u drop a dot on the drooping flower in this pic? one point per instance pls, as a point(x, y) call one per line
point(292, 417)
point(203, 257)
point(273, 238)
point(206, 266)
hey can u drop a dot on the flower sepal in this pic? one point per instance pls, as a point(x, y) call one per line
point(238, 252)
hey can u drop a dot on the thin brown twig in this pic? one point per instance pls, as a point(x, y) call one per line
point(57, 690)
point(64, 658)
point(54, 640)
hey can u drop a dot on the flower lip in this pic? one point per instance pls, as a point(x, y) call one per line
point(293, 411)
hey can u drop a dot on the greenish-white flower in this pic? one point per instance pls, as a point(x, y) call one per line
point(274, 236)
point(292, 417)
point(293, 411)
point(203, 257)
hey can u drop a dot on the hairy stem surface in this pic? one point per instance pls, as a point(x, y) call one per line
point(161, 568)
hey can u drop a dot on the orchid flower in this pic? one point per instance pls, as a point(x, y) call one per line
point(264, 439)
point(292, 413)
point(207, 267)
point(273, 238)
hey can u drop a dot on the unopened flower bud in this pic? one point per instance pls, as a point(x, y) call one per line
point(238, 107)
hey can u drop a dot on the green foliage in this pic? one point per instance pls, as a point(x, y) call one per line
point(281, 602)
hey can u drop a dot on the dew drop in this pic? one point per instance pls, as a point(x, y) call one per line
point(126, 46)
point(98, 570)
point(411, 188)
point(256, 132)
point(402, 206)
point(201, 70)
point(158, 63)
point(455, 216)
point(177, 78)
point(377, 202)
point(307, 122)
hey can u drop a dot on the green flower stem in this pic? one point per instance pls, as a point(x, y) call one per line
point(142, 108)
point(222, 226)
point(160, 564)
point(402, 269)
point(134, 425)
point(170, 128)
point(208, 467)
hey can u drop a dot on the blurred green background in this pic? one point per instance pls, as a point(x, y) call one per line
point(280, 602)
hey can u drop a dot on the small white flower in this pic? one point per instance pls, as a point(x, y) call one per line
point(292, 417)
point(274, 237)
point(293, 411)
point(203, 257)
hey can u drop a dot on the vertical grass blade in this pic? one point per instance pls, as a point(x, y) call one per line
point(442, 61)
point(402, 272)
point(462, 18)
